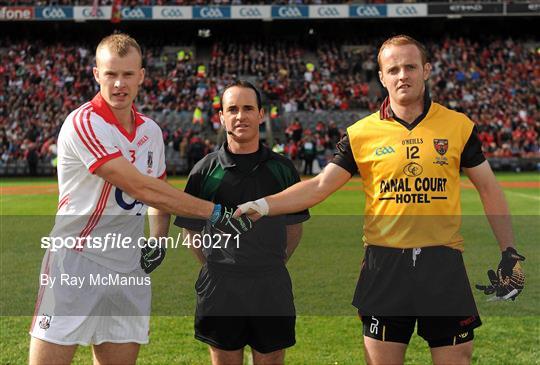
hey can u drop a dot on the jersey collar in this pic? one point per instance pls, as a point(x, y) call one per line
point(226, 160)
point(104, 111)
point(386, 112)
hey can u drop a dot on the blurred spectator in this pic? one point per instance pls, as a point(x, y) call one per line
point(307, 153)
point(196, 150)
point(278, 147)
point(320, 149)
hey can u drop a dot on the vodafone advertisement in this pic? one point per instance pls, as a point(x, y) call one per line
point(16, 13)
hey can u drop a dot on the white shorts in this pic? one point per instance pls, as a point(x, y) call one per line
point(82, 302)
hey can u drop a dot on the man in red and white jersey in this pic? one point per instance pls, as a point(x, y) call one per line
point(94, 283)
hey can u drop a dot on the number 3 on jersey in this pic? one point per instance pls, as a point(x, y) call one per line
point(132, 156)
point(412, 152)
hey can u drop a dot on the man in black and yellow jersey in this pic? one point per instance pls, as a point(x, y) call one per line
point(244, 292)
point(409, 155)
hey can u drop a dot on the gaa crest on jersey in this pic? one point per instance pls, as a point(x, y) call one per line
point(150, 160)
point(45, 322)
point(441, 146)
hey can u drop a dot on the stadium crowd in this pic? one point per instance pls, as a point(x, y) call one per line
point(496, 83)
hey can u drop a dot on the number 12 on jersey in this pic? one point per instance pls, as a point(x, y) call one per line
point(412, 152)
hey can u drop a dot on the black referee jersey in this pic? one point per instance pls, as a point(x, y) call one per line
point(232, 179)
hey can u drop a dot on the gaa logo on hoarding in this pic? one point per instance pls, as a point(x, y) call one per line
point(133, 13)
point(406, 10)
point(53, 13)
point(254, 12)
point(289, 12)
point(328, 11)
point(87, 13)
point(367, 11)
point(171, 13)
point(211, 13)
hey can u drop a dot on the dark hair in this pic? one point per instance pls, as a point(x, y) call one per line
point(244, 84)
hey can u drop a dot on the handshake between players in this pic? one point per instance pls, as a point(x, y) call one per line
point(222, 220)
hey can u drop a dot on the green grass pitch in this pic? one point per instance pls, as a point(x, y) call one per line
point(324, 269)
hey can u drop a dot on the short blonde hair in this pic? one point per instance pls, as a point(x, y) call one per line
point(402, 40)
point(119, 43)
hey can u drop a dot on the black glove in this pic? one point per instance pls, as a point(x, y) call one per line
point(151, 257)
point(509, 280)
point(222, 219)
point(509, 259)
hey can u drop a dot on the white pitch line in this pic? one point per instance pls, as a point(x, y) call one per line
point(534, 197)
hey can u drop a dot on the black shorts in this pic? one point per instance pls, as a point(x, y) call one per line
point(239, 308)
point(400, 329)
point(428, 282)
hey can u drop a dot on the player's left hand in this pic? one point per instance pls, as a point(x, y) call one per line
point(151, 257)
point(509, 280)
point(509, 260)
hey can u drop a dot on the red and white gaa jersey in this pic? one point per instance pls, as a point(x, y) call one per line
point(91, 208)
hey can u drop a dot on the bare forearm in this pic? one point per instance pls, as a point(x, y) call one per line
point(160, 195)
point(153, 192)
point(159, 222)
point(498, 215)
point(308, 193)
point(494, 203)
point(296, 198)
point(300, 196)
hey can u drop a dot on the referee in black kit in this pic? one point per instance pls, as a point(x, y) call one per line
point(244, 291)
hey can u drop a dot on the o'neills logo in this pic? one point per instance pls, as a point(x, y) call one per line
point(142, 141)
